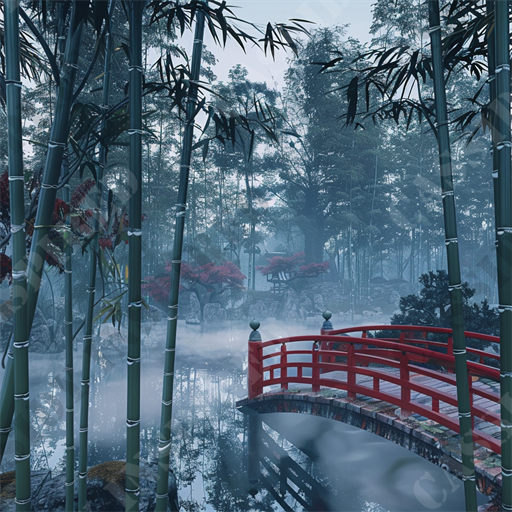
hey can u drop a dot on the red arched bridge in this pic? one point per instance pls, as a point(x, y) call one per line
point(384, 378)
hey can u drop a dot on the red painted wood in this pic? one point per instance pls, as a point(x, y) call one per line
point(400, 356)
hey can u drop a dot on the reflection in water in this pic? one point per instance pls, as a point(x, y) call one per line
point(304, 463)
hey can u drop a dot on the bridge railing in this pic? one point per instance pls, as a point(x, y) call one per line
point(311, 360)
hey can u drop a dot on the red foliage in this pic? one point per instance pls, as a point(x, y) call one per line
point(291, 264)
point(60, 210)
point(4, 197)
point(81, 192)
point(209, 275)
point(282, 264)
point(5, 267)
point(105, 243)
point(313, 269)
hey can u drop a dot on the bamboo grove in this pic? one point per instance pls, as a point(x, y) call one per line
point(465, 37)
point(59, 168)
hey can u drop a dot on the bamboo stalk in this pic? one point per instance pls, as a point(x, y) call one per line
point(452, 250)
point(19, 257)
point(504, 240)
point(134, 260)
point(172, 320)
point(58, 138)
point(91, 283)
point(68, 323)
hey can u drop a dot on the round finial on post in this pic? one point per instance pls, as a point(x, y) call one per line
point(327, 325)
point(255, 335)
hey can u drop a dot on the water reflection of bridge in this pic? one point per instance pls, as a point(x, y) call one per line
point(395, 381)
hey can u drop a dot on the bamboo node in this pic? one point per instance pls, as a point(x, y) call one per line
point(434, 29)
point(171, 318)
point(135, 232)
point(48, 185)
point(502, 67)
point(5, 430)
point(506, 425)
point(69, 484)
point(167, 403)
point(502, 309)
point(22, 502)
point(72, 447)
point(20, 344)
point(134, 131)
point(470, 478)
point(507, 473)
point(22, 396)
point(165, 447)
point(449, 241)
point(14, 178)
point(67, 323)
point(136, 304)
point(17, 227)
point(168, 374)
point(170, 350)
point(132, 423)
point(506, 374)
point(54, 144)
point(19, 274)
point(181, 214)
point(135, 491)
point(19, 458)
point(495, 174)
point(464, 415)
point(198, 41)
point(68, 271)
point(447, 193)
point(505, 507)
point(87, 337)
point(135, 68)
point(132, 360)
point(83, 430)
point(82, 475)
point(455, 287)
point(504, 144)
point(161, 496)
point(177, 262)
point(459, 351)
point(16, 83)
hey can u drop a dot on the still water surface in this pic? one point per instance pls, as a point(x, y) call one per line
point(328, 466)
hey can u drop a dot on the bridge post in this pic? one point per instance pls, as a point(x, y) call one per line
point(351, 374)
point(254, 371)
point(326, 329)
point(284, 363)
point(405, 390)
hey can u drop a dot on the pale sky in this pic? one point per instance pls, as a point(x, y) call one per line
point(356, 13)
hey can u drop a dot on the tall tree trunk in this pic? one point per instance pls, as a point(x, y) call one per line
point(91, 282)
point(452, 249)
point(19, 257)
point(504, 246)
point(38, 250)
point(172, 322)
point(134, 260)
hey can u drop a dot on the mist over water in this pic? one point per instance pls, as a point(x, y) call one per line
point(352, 470)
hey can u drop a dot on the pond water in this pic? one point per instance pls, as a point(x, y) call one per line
point(328, 466)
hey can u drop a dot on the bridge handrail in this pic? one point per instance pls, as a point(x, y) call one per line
point(417, 328)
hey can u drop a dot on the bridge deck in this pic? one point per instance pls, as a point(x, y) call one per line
point(449, 410)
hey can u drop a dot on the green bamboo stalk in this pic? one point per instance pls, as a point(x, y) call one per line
point(91, 284)
point(491, 66)
point(452, 250)
point(68, 323)
point(19, 257)
point(504, 237)
point(134, 260)
point(172, 320)
point(58, 138)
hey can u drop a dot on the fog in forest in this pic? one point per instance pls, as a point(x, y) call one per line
point(309, 182)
